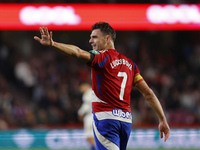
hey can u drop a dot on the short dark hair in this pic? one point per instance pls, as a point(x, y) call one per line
point(105, 28)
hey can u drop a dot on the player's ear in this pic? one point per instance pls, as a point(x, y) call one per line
point(108, 38)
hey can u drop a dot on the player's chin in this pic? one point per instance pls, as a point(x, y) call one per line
point(94, 48)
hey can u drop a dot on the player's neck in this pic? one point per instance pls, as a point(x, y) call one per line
point(110, 46)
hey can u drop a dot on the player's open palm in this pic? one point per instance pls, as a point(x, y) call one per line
point(46, 38)
point(164, 128)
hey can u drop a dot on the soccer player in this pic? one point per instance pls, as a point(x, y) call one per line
point(85, 113)
point(113, 76)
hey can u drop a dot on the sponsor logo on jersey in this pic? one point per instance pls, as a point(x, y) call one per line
point(121, 114)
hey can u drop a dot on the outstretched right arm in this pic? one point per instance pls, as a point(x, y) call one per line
point(67, 49)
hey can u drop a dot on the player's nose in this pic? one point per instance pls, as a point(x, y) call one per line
point(90, 41)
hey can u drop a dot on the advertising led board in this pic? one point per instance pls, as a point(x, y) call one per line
point(82, 16)
point(76, 139)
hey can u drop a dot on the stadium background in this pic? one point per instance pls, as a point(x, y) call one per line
point(39, 87)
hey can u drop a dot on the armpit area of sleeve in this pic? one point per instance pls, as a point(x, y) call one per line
point(138, 78)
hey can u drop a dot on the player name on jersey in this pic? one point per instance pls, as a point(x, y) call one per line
point(118, 62)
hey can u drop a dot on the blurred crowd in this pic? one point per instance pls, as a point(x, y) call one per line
point(40, 86)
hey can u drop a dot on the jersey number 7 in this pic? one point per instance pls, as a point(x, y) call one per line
point(123, 85)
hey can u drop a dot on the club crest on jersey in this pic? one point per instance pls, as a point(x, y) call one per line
point(121, 114)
